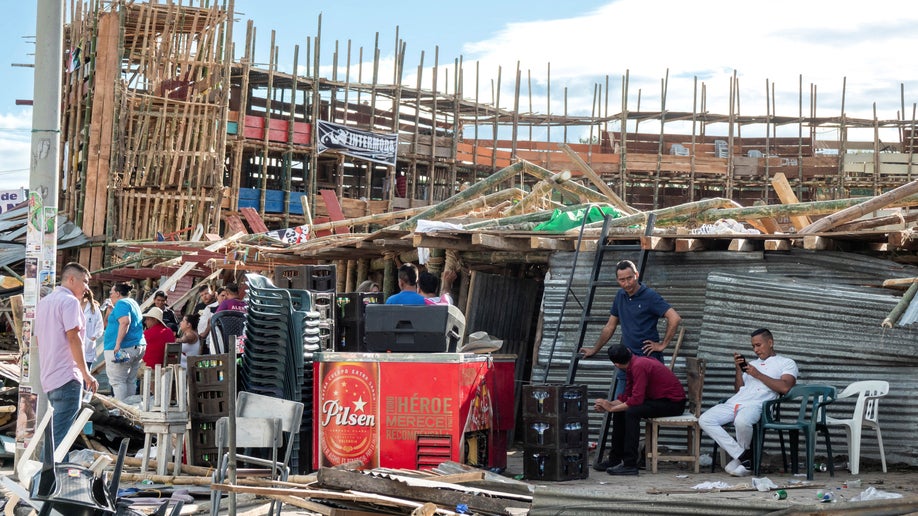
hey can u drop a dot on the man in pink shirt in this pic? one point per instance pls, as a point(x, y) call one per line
point(60, 328)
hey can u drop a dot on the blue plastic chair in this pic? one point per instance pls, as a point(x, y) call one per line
point(808, 401)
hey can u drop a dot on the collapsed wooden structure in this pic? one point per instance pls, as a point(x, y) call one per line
point(165, 130)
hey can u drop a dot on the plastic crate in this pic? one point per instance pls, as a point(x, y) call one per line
point(209, 403)
point(207, 372)
point(552, 433)
point(205, 457)
point(555, 465)
point(562, 401)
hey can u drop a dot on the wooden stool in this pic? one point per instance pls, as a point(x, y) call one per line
point(164, 419)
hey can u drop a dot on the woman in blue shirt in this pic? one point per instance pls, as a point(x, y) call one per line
point(124, 342)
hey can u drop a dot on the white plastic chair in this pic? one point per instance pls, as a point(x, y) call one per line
point(866, 413)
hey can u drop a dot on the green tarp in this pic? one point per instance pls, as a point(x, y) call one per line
point(564, 220)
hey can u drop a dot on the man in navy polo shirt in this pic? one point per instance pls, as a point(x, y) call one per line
point(637, 308)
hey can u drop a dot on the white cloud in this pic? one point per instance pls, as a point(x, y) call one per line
point(15, 145)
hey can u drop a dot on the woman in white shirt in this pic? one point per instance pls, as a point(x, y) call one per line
point(95, 326)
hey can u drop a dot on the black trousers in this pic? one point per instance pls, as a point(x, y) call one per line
point(626, 427)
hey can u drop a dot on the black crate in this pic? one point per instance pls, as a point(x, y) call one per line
point(562, 401)
point(203, 433)
point(555, 465)
point(551, 433)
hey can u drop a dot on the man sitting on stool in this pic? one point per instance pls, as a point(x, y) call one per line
point(651, 390)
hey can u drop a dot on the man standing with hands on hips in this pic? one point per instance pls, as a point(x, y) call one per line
point(59, 332)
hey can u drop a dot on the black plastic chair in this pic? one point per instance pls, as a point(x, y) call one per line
point(224, 327)
point(809, 402)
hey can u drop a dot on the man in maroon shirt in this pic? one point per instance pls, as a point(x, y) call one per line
point(651, 390)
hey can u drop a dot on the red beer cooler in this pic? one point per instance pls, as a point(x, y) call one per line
point(412, 410)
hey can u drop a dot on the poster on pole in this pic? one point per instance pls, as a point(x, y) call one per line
point(377, 147)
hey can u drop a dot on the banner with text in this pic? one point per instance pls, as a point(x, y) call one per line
point(381, 148)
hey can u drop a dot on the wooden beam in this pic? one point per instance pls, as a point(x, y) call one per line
point(442, 242)
point(899, 282)
point(778, 245)
point(743, 245)
point(816, 243)
point(787, 196)
point(654, 243)
point(688, 245)
point(500, 243)
point(555, 244)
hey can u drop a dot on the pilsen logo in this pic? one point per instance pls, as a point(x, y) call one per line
point(348, 413)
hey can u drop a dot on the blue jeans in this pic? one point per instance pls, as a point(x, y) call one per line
point(65, 400)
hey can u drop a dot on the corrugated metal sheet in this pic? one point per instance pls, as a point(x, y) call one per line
point(824, 308)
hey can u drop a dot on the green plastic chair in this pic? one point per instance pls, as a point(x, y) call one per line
point(808, 402)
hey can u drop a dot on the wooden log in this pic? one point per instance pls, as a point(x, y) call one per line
point(899, 282)
point(858, 225)
point(787, 196)
point(900, 307)
point(594, 178)
point(478, 188)
point(854, 212)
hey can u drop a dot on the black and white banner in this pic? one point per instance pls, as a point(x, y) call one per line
point(381, 148)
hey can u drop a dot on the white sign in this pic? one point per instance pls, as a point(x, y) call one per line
point(10, 198)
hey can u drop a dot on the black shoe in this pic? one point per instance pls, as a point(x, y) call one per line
point(746, 464)
point(606, 464)
point(621, 469)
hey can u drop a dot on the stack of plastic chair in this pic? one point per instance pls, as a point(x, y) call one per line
point(279, 341)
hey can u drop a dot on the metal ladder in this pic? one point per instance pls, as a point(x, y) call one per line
point(586, 319)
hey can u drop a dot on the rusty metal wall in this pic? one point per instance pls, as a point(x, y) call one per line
point(824, 308)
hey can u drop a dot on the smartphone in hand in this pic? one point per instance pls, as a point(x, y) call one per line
point(743, 365)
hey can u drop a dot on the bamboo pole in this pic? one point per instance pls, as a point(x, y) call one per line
point(666, 216)
point(472, 191)
point(482, 201)
point(594, 178)
point(900, 307)
point(583, 193)
point(860, 209)
point(538, 192)
point(528, 218)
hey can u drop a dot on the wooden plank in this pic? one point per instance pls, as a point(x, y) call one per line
point(777, 245)
point(440, 495)
point(688, 245)
point(334, 210)
point(254, 220)
point(234, 224)
point(787, 196)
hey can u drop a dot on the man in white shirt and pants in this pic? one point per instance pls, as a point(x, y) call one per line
point(756, 382)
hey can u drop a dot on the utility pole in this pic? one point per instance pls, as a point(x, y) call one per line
point(44, 177)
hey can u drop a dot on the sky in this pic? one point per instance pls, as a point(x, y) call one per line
point(771, 47)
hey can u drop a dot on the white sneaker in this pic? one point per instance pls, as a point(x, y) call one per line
point(731, 466)
point(740, 471)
